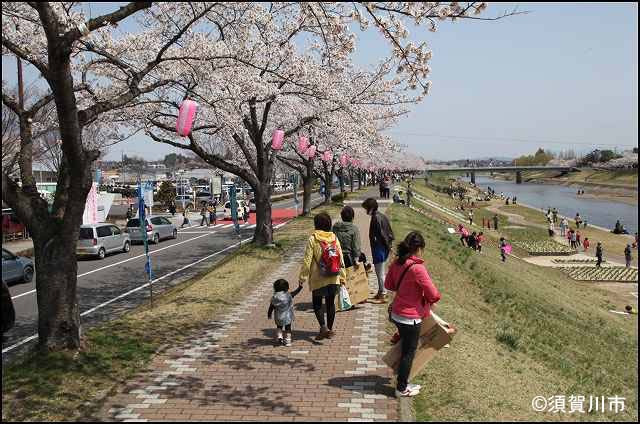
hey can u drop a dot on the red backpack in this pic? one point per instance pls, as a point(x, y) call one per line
point(330, 259)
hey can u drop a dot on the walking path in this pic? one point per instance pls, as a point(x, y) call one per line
point(233, 370)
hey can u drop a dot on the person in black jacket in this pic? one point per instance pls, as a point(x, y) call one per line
point(380, 239)
point(8, 313)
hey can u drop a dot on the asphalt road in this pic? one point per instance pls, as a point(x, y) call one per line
point(109, 287)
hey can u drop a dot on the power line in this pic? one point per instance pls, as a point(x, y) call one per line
point(519, 140)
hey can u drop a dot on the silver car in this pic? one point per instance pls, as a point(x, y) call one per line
point(100, 239)
point(16, 268)
point(158, 227)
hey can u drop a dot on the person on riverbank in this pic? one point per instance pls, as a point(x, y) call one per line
point(495, 222)
point(563, 227)
point(635, 243)
point(586, 243)
point(578, 220)
point(574, 239)
point(470, 217)
point(578, 239)
point(507, 202)
point(323, 269)
point(380, 240)
point(349, 236)
point(627, 255)
point(503, 249)
point(282, 305)
point(479, 240)
point(514, 200)
point(464, 233)
point(599, 254)
point(552, 229)
point(554, 213)
point(415, 293)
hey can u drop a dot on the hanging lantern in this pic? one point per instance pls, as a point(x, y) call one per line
point(354, 162)
point(277, 140)
point(327, 156)
point(344, 159)
point(311, 152)
point(303, 144)
point(186, 116)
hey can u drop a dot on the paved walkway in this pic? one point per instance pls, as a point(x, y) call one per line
point(234, 371)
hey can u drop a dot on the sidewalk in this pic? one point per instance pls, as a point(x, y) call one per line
point(233, 371)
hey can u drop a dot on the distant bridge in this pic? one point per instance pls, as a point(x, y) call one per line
point(517, 169)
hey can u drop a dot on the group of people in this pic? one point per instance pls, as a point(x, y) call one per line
point(208, 214)
point(385, 187)
point(472, 240)
point(619, 228)
point(333, 248)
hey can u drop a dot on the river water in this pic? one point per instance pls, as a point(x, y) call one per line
point(603, 213)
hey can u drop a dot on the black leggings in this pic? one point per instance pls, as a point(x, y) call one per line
point(285, 327)
point(328, 293)
point(409, 336)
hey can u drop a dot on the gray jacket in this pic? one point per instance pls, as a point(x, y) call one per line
point(349, 238)
point(282, 305)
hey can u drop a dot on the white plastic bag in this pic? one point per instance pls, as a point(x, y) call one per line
point(345, 300)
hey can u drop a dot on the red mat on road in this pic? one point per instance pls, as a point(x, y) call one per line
point(278, 216)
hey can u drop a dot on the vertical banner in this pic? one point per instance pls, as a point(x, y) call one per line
point(142, 215)
point(234, 208)
point(295, 192)
point(90, 215)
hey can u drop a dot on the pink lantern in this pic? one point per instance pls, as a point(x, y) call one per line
point(277, 140)
point(354, 162)
point(311, 152)
point(186, 116)
point(344, 159)
point(327, 156)
point(303, 144)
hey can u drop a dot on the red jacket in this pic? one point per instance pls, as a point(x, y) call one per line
point(417, 291)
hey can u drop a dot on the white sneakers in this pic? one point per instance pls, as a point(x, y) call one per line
point(284, 341)
point(407, 393)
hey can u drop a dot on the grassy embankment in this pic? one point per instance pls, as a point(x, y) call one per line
point(587, 176)
point(67, 387)
point(524, 331)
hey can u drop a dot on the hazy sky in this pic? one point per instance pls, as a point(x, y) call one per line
point(563, 76)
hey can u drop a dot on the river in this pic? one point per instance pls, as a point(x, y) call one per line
point(603, 213)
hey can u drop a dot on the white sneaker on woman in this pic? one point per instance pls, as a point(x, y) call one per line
point(408, 392)
point(414, 387)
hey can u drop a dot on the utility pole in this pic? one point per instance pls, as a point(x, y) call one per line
point(124, 174)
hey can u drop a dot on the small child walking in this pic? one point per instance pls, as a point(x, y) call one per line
point(282, 304)
point(503, 249)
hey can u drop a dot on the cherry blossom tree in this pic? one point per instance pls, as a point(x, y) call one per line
point(90, 74)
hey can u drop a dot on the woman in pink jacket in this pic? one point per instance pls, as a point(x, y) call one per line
point(415, 293)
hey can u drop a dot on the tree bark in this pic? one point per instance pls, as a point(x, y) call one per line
point(327, 185)
point(307, 183)
point(263, 234)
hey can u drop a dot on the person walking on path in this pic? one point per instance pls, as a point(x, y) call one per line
point(203, 214)
point(282, 304)
point(470, 217)
point(578, 220)
point(586, 243)
point(415, 293)
point(599, 254)
point(552, 229)
point(479, 240)
point(172, 209)
point(380, 239)
point(185, 220)
point(627, 255)
point(322, 256)
point(574, 240)
point(495, 222)
point(554, 212)
point(578, 239)
point(409, 196)
point(349, 237)
point(563, 227)
point(503, 249)
point(212, 213)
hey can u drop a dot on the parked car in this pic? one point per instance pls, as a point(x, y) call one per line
point(101, 239)
point(16, 268)
point(158, 228)
point(203, 198)
point(241, 205)
point(8, 313)
point(186, 198)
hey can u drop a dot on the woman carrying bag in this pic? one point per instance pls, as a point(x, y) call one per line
point(415, 292)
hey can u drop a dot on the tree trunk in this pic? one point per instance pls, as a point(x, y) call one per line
point(342, 181)
point(58, 310)
point(263, 234)
point(351, 178)
point(307, 184)
point(360, 174)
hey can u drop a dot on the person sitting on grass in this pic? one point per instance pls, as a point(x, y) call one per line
point(631, 310)
point(282, 304)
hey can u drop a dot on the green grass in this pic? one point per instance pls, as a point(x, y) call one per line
point(68, 386)
point(524, 331)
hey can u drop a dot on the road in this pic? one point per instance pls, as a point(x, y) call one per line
point(109, 287)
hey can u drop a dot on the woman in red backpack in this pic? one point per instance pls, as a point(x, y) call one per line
point(323, 268)
point(415, 293)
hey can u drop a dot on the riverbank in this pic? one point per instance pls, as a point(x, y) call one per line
point(520, 332)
